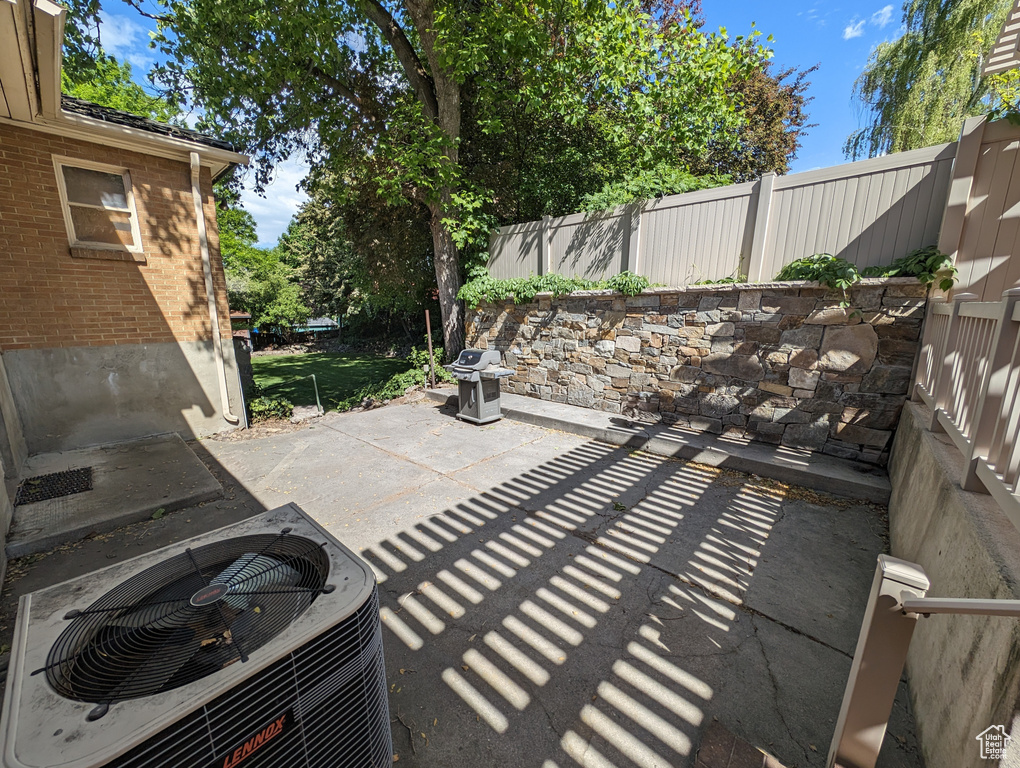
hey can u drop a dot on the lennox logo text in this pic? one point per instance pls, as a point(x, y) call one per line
point(256, 742)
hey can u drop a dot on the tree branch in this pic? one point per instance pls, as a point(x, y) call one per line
point(137, 5)
point(417, 75)
point(343, 90)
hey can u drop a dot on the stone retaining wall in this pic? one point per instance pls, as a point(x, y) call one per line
point(782, 363)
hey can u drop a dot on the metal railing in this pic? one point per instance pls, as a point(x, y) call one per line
point(969, 375)
point(898, 598)
point(290, 381)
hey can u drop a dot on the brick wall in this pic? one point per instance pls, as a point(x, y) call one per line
point(781, 363)
point(50, 299)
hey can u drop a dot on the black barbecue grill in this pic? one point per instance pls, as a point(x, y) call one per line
point(478, 372)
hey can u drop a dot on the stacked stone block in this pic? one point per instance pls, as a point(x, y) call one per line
point(782, 363)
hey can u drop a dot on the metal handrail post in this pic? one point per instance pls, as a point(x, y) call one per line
point(877, 666)
point(315, 384)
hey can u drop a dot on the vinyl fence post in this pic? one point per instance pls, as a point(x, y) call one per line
point(993, 407)
point(926, 338)
point(545, 247)
point(756, 262)
point(968, 151)
point(634, 242)
point(878, 663)
point(940, 390)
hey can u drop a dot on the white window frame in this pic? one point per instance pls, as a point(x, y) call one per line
point(59, 163)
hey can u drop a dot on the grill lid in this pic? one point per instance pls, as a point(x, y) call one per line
point(477, 359)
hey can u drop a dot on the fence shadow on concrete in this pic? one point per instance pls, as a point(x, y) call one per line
point(591, 611)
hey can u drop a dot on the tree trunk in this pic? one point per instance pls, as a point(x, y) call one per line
point(448, 279)
point(448, 118)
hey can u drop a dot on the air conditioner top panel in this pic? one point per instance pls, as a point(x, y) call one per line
point(42, 729)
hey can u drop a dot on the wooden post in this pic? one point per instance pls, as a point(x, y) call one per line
point(432, 359)
point(756, 263)
point(993, 404)
point(940, 388)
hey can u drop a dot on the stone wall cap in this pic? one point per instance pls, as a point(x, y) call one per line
point(728, 288)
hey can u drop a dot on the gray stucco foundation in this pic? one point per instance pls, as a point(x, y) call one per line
point(13, 451)
point(964, 671)
point(13, 454)
point(78, 396)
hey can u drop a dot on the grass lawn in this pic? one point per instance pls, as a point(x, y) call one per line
point(338, 376)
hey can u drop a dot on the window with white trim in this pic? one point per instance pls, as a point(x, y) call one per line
point(99, 206)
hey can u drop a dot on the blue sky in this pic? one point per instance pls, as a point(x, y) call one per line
point(836, 36)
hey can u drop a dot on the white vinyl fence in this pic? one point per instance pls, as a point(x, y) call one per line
point(869, 212)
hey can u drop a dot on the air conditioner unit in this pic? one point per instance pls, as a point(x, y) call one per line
point(253, 646)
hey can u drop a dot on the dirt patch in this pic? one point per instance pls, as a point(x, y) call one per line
point(260, 430)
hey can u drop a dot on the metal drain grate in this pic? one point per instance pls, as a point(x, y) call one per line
point(54, 486)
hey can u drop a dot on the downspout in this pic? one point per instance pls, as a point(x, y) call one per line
point(210, 292)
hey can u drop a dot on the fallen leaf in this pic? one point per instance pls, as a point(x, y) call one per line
point(465, 667)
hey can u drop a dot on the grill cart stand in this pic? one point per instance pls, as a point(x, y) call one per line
point(478, 372)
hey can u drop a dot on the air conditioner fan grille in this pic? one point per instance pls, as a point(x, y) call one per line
point(187, 617)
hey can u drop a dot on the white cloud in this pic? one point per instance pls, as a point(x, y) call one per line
point(273, 212)
point(127, 40)
point(853, 29)
point(882, 17)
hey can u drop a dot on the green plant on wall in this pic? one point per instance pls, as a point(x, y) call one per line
point(833, 271)
point(481, 286)
point(728, 280)
point(929, 265)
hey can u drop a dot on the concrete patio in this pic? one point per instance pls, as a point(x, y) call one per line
point(553, 601)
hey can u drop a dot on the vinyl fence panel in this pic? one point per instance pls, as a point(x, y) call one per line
point(697, 236)
point(988, 223)
point(591, 246)
point(517, 251)
point(870, 213)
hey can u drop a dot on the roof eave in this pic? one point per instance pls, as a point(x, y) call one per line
point(135, 140)
point(31, 39)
